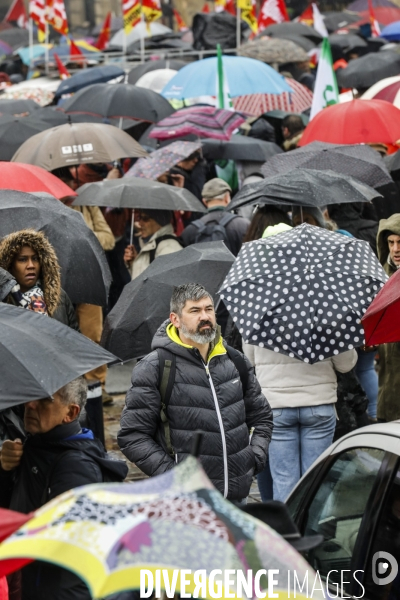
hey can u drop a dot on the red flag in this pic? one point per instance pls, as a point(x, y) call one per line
point(180, 22)
point(104, 36)
point(206, 8)
point(64, 74)
point(56, 16)
point(17, 13)
point(272, 11)
point(36, 13)
point(375, 29)
point(227, 5)
point(75, 53)
point(307, 16)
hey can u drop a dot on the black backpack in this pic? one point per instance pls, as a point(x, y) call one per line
point(167, 236)
point(167, 369)
point(213, 230)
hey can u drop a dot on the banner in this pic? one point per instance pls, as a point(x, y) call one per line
point(56, 16)
point(131, 12)
point(248, 13)
point(151, 10)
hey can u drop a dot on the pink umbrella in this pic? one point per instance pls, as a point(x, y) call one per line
point(257, 104)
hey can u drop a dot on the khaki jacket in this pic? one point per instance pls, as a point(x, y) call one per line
point(96, 222)
point(142, 260)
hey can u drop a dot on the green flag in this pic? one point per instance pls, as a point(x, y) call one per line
point(326, 89)
point(223, 97)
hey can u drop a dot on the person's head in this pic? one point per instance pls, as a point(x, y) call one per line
point(265, 216)
point(292, 125)
point(151, 221)
point(29, 256)
point(190, 162)
point(216, 192)
point(78, 175)
point(308, 214)
point(193, 313)
point(64, 407)
point(393, 241)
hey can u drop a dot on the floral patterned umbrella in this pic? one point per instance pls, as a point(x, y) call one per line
point(106, 533)
point(162, 160)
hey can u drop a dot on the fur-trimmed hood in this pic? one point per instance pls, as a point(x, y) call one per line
point(50, 275)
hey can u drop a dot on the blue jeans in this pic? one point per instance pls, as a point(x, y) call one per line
point(299, 437)
point(368, 378)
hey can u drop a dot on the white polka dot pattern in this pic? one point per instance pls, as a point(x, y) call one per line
point(303, 292)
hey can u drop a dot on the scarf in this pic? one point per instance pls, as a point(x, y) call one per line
point(33, 299)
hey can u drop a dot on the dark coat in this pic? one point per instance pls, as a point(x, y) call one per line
point(84, 461)
point(228, 458)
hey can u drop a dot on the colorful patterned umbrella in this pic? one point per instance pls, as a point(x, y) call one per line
point(162, 160)
point(257, 104)
point(203, 121)
point(106, 533)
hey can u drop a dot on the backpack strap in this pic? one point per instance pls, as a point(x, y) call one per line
point(227, 218)
point(238, 360)
point(167, 370)
point(162, 238)
point(199, 224)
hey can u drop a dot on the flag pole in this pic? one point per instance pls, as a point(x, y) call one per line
point(30, 42)
point(238, 28)
point(142, 46)
point(46, 56)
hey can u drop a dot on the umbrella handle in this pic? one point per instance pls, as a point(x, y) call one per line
point(132, 225)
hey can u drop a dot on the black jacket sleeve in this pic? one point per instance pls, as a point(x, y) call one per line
point(141, 419)
point(73, 470)
point(6, 487)
point(259, 416)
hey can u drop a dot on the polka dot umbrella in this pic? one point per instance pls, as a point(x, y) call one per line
point(303, 292)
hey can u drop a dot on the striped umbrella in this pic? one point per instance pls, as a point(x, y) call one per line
point(387, 89)
point(257, 104)
point(202, 121)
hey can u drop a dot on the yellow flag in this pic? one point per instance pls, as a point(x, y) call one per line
point(131, 11)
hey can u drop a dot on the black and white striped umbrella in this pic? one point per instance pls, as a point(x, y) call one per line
point(303, 292)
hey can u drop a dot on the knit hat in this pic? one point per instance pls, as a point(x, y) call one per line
point(215, 187)
point(313, 211)
point(162, 217)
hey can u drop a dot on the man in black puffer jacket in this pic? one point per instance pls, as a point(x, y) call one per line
point(207, 395)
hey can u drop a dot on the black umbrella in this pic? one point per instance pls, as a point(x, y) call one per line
point(338, 20)
point(153, 65)
point(359, 161)
point(85, 274)
point(303, 292)
point(347, 42)
point(157, 42)
point(87, 77)
point(144, 303)
point(120, 100)
point(7, 283)
point(304, 187)
point(39, 355)
point(15, 131)
point(15, 37)
point(18, 108)
point(239, 147)
point(135, 192)
point(295, 28)
point(363, 72)
point(392, 162)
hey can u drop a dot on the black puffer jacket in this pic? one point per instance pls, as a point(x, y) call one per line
point(83, 461)
point(227, 457)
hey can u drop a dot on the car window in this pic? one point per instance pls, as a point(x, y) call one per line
point(381, 579)
point(337, 509)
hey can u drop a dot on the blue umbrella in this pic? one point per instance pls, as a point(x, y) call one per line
point(88, 77)
point(35, 51)
point(391, 32)
point(244, 76)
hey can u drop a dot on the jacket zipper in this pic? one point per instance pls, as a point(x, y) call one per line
point(221, 425)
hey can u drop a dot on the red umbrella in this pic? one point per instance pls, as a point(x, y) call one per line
point(355, 122)
point(381, 322)
point(257, 104)
point(29, 178)
point(10, 521)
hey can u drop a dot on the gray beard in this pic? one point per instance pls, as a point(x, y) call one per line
point(199, 338)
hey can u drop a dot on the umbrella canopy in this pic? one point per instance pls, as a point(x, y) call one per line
point(355, 122)
point(38, 356)
point(85, 274)
point(381, 321)
point(295, 28)
point(392, 163)
point(77, 143)
point(301, 41)
point(387, 89)
point(297, 101)
point(359, 161)
point(135, 192)
point(242, 75)
point(15, 37)
point(177, 520)
point(304, 187)
point(274, 51)
point(5, 48)
point(347, 42)
point(391, 32)
point(240, 147)
point(119, 101)
point(10, 521)
point(29, 178)
point(87, 77)
point(7, 283)
point(369, 69)
point(338, 20)
point(162, 160)
point(144, 303)
point(32, 52)
point(303, 292)
point(18, 108)
point(15, 131)
point(141, 30)
point(154, 65)
point(156, 80)
point(203, 121)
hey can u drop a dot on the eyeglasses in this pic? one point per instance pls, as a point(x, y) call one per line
point(144, 218)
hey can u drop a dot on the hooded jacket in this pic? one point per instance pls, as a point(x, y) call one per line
point(389, 354)
point(83, 461)
point(206, 397)
point(142, 261)
point(59, 306)
point(349, 216)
